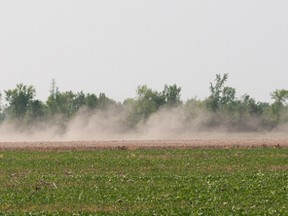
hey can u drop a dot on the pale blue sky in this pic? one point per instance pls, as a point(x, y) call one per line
point(113, 46)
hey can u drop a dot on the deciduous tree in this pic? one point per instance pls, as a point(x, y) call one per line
point(19, 100)
point(279, 97)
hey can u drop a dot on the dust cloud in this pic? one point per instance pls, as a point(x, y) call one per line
point(109, 125)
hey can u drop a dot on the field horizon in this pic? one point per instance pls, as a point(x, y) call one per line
point(134, 144)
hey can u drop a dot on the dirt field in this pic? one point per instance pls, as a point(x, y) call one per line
point(146, 144)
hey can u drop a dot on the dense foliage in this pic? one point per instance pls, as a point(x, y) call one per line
point(220, 108)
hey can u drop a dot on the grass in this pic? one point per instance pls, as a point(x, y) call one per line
point(145, 182)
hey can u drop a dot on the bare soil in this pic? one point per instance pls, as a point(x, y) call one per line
point(145, 144)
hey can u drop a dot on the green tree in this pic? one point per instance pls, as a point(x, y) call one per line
point(104, 102)
point(216, 90)
point(91, 101)
point(172, 95)
point(69, 103)
point(53, 101)
point(79, 101)
point(222, 97)
point(63, 103)
point(279, 97)
point(19, 100)
point(228, 96)
point(37, 108)
point(37, 111)
point(148, 101)
point(254, 108)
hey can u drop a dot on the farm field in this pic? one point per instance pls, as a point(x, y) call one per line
point(134, 180)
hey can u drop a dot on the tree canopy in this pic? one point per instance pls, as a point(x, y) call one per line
point(222, 106)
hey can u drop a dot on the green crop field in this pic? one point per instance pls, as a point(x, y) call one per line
point(145, 182)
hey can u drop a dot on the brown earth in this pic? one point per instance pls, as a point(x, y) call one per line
point(146, 144)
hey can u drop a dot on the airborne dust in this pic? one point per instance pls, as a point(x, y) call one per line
point(165, 124)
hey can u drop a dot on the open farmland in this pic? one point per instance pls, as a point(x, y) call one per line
point(201, 142)
point(149, 177)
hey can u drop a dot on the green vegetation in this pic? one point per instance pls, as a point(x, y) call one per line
point(145, 182)
point(220, 108)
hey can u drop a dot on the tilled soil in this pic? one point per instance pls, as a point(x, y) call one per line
point(145, 144)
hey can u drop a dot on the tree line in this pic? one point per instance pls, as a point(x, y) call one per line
point(221, 107)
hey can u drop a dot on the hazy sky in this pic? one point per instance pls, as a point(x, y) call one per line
point(113, 46)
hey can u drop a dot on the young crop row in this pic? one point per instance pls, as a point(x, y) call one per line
point(145, 182)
